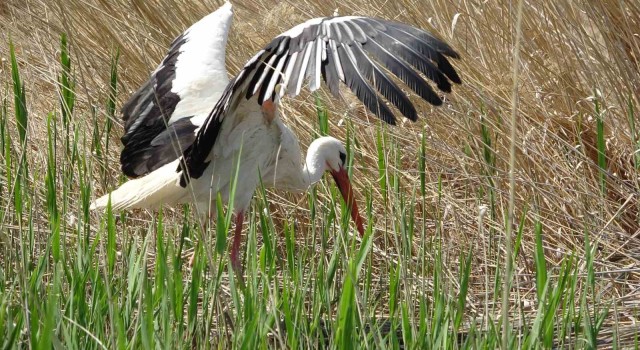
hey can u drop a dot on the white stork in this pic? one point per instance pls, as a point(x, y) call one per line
point(189, 128)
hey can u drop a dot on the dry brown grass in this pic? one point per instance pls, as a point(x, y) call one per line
point(572, 52)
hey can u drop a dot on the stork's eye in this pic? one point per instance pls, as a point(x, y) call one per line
point(343, 158)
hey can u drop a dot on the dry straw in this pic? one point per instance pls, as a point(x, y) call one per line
point(575, 164)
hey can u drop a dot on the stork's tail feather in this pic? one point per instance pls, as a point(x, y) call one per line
point(151, 191)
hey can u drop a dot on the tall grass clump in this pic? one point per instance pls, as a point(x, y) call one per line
point(450, 201)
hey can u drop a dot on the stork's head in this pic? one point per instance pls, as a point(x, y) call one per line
point(329, 154)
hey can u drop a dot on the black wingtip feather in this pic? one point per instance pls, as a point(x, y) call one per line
point(448, 70)
point(453, 54)
point(428, 46)
point(428, 38)
point(389, 58)
point(418, 61)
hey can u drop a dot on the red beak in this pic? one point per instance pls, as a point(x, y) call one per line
point(342, 180)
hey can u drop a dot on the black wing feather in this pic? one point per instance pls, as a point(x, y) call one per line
point(330, 75)
point(362, 46)
point(145, 116)
point(425, 49)
point(361, 88)
point(418, 61)
point(385, 86)
point(401, 70)
point(143, 107)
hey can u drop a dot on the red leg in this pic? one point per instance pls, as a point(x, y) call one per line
point(236, 264)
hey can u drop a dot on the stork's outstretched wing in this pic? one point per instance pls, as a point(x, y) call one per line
point(161, 118)
point(354, 50)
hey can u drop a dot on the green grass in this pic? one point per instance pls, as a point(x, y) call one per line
point(116, 281)
point(601, 146)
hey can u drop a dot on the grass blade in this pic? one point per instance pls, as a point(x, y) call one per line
point(601, 147)
point(67, 86)
point(20, 103)
point(540, 263)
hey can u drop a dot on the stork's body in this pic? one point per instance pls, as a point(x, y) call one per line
point(189, 131)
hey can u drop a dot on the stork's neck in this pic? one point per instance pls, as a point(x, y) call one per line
point(313, 169)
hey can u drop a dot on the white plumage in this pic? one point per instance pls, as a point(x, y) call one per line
point(151, 191)
point(201, 74)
